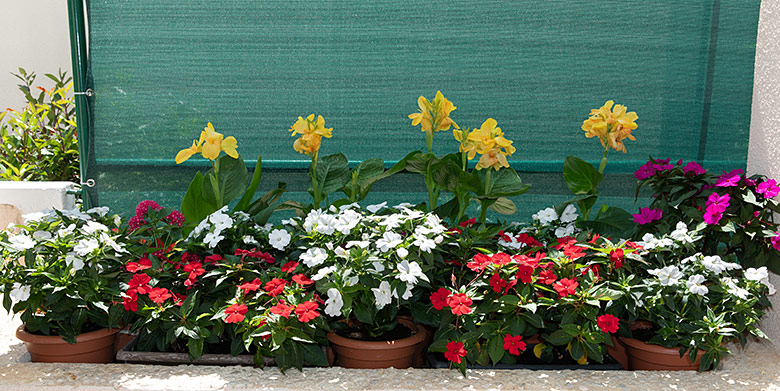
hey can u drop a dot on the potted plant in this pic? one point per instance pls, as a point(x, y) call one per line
point(686, 307)
point(546, 300)
point(60, 277)
point(369, 268)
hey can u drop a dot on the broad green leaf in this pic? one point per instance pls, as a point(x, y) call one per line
point(195, 346)
point(243, 204)
point(559, 337)
point(581, 177)
point(611, 221)
point(496, 348)
point(314, 354)
point(230, 181)
point(332, 173)
point(504, 183)
point(194, 207)
point(504, 206)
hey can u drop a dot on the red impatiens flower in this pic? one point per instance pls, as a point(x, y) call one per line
point(235, 313)
point(275, 287)
point(547, 277)
point(468, 223)
point(253, 253)
point(250, 286)
point(213, 258)
point(525, 273)
point(439, 298)
point(455, 352)
point(139, 283)
point(529, 240)
point(514, 344)
point(497, 283)
point(179, 299)
point(142, 264)
point(566, 286)
point(194, 269)
point(460, 304)
point(130, 301)
point(302, 280)
point(608, 323)
point(505, 237)
point(282, 309)
point(616, 257)
point(307, 311)
point(159, 295)
point(479, 262)
point(289, 267)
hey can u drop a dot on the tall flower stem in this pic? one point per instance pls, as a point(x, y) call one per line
point(314, 183)
point(603, 163)
point(483, 211)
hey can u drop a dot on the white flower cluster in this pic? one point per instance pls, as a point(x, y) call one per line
point(213, 225)
point(681, 236)
point(342, 239)
point(565, 223)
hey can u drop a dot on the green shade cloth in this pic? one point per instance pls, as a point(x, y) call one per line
point(162, 69)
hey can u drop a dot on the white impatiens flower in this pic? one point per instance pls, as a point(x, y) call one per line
point(716, 265)
point(346, 221)
point(290, 222)
point(409, 272)
point(408, 293)
point(425, 244)
point(402, 252)
point(42, 235)
point(21, 242)
point(759, 274)
point(564, 231)
point(202, 226)
point(383, 295)
point(358, 243)
point(403, 205)
point(389, 241)
point(545, 216)
point(279, 239)
point(695, 286)
point(101, 211)
point(118, 248)
point(74, 262)
point(220, 220)
point(668, 275)
point(213, 239)
point(314, 256)
point(376, 207)
point(19, 292)
point(378, 266)
point(322, 273)
point(735, 290)
point(392, 221)
point(569, 214)
point(93, 226)
point(334, 303)
point(86, 246)
point(248, 239)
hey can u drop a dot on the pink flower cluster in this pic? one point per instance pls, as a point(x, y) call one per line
point(768, 188)
point(715, 206)
point(139, 220)
point(653, 167)
point(730, 179)
point(647, 215)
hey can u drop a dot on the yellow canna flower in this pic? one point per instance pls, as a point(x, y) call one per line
point(492, 158)
point(489, 141)
point(209, 145)
point(611, 125)
point(424, 117)
point(433, 116)
point(443, 109)
point(312, 131)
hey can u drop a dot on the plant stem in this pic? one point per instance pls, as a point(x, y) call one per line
point(483, 211)
point(603, 164)
point(314, 184)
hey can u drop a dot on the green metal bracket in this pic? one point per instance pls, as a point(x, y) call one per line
point(78, 54)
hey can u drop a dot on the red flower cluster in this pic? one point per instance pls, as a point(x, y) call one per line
point(455, 352)
point(616, 256)
point(250, 286)
point(142, 264)
point(608, 323)
point(460, 304)
point(570, 248)
point(514, 344)
point(275, 287)
point(566, 286)
point(235, 313)
point(439, 298)
point(253, 253)
point(139, 220)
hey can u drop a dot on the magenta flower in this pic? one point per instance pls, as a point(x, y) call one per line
point(695, 168)
point(730, 179)
point(718, 203)
point(647, 215)
point(776, 241)
point(768, 188)
point(712, 216)
point(645, 171)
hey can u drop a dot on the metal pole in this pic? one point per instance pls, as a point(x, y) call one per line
point(78, 54)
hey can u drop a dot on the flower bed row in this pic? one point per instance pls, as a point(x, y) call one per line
point(578, 285)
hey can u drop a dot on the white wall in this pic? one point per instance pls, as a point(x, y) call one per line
point(35, 37)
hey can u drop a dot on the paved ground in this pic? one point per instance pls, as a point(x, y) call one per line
point(757, 368)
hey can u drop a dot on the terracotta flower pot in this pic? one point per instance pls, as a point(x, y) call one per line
point(400, 353)
point(619, 352)
point(646, 357)
point(93, 347)
point(123, 338)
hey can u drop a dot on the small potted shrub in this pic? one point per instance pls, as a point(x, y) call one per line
point(60, 276)
point(369, 268)
point(687, 305)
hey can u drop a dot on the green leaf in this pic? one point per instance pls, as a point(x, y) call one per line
point(611, 221)
point(250, 191)
point(504, 206)
point(188, 305)
point(496, 349)
point(363, 177)
point(194, 207)
point(332, 173)
point(230, 181)
point(418, 162)
point(504, 183)
point(195, 346)
point(559, 337)
point(314, 354)
point(581, 177)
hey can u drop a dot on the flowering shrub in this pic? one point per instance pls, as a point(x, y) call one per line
point(696, 301)
point(368, 266)
point(733, 212)
point(554, 293)
point(60, 272)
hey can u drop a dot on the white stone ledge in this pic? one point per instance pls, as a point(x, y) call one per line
point(30, 197)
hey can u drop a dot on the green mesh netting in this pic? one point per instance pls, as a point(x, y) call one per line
point(162, 69)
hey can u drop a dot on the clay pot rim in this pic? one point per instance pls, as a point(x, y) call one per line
point(24, 336)
point(412, 340)
point(637, 344)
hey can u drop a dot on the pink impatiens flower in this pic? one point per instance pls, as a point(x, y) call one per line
point(647, 215)
point(695, 168)
point(768, 188)
point(730, 179)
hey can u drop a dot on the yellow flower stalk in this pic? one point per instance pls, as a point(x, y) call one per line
point(489, 142)
point(210, 144)
point(433, 116)
point(611, 125)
